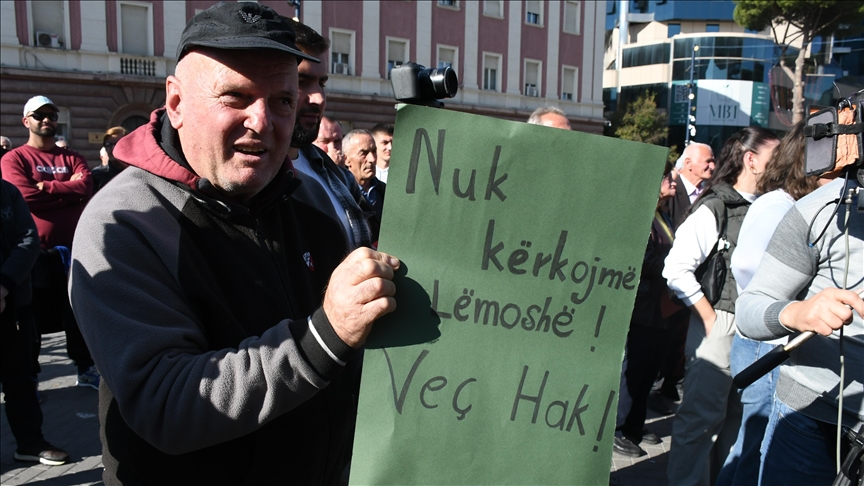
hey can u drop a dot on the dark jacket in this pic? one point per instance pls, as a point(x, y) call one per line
point(721, 195)
point(652, 286)
point(678, 206)
point(18, 252)
point(199, 313)
point(103, 174)
point(376, 208)
point(310, 192)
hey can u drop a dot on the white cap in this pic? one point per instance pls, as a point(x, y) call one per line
point(37, 102)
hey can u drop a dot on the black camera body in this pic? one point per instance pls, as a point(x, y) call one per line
point(413, 83)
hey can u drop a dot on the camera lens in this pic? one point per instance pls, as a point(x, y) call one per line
point(413, 83)
point(444, 82)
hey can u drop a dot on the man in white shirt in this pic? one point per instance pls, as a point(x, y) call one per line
point(383, 135)
point(694, 166)
point(697, 165)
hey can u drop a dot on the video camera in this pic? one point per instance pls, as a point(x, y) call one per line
point(413, 83)
point(835, 138)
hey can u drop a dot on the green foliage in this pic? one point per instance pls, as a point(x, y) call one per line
point(812, 17)
point(641, 122)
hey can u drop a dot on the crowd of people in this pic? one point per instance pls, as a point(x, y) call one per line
point(210, 375)
point(742, 254)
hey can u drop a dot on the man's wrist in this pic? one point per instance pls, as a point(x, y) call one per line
point(320, 344)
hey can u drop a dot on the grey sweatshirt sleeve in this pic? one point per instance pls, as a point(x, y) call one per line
point(148, 345)
point(786, 270)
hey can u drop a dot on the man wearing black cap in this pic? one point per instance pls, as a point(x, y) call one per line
point(201, 295)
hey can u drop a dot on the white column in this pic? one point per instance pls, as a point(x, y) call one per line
point(94, 30)
point(588, 60)
point(514, 48)
point(553, 24)
point(67, 26)
point(174, 21)
point(8, 27)
point(371, 36)
point(311, 13)
point(423, 42)
point(468, 76)
point(9, 44)
point(599, 33)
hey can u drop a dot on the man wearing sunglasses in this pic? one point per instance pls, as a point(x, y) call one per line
point(55, 183)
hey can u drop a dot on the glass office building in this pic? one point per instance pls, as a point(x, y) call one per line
point(738, 77)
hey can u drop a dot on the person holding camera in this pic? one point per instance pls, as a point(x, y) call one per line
point(810, 279)
point(706, 423)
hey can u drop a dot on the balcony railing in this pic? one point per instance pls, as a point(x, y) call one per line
point(137, 66)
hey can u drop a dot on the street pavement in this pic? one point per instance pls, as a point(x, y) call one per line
point(71, 423)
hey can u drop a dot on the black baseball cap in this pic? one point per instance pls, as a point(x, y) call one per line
point(240, 25)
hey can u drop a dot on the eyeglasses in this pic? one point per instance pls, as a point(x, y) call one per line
point(41, 116)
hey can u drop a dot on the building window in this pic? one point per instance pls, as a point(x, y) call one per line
point(49, 23)
point(397, 53)
point(341, 50)
point(64, 130)
point(572, 17)
point(448, 3)
point(673, 29)
point(569, 82)
point(532, 78)
point(491, 68)
point(493, 8)
point(134, 29)
point(447, 57)
point(534, 13)
point(712, 28)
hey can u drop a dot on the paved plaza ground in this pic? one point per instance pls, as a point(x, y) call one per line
point(71, 423)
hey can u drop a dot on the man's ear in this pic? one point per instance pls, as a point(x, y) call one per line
point(26, 121)
point(173, 105)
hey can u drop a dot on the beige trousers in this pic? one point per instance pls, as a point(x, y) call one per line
point(707, 421)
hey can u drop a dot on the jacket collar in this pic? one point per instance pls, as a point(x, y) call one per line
point(155, 148)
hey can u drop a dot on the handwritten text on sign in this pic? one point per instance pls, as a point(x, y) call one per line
point(514, 261)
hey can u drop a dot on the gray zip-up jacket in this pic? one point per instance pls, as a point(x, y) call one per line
point(793, 270)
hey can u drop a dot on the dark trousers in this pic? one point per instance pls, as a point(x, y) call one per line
point(52, 310)
point(646, 350)
point(16, 374)
point(672, 369)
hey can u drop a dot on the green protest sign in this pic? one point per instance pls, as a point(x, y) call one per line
point(521, 248)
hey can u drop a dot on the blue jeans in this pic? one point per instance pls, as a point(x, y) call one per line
point(742, 464)
point(794, 450)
